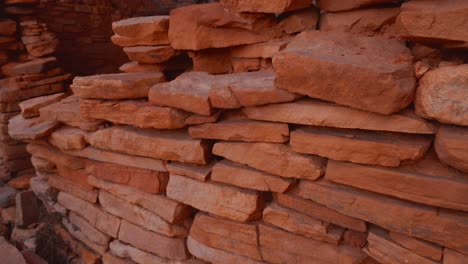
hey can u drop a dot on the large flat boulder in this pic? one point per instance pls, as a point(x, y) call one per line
point(380, 80)
point(316, 113)
point(442, 95)
point(217, 27)
point(149, 30)
point(360, 146)
point(160, 144)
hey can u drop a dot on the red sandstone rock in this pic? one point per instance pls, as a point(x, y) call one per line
point(214, 61)
point(384, 86)
point(213, 255)
point(119, 158)
point(140, 216)
point(385, 149)
point(454, 257)
point(451, 145)
point(247, 89)
point(319, 211)
point(334, 6)
point(109, 258)
point(427, 181)
point(21, 182)
point(30, 108)
point(167, 209)
point(189, 92)
point(150, 30)
point(104, 222)
point(87, 255)
point(300, 20)
point(279, 246)
point(36, 66)
point(197, 172)
point(45, 151)
point(260, 50)
point(7, 27)
point(68, 111)
point(418, 246)
point(242, 130)
point(311, 112)
point(354, 238)
point(437, 225)
point(366, 21)
point(68, 138)
point(442, 93)
point(201, 119)
point(10, 94)
point(146, 180)
point(277, 159)
point(137, 113)
point(150, 54)
point(245, 65)
point(133, 66)
point(382, 249)
point(222, 200)
point(166, 247)
point(88, 230)
point(116, 85)
point(302, 224)
point(169, 145)
point(275, 7)
point(242, 176)
point(77, 176)
point(9, 253)
point(238, 238)
point(30, 129)
point(217, 27)
point(71, 187)
point(436, 22)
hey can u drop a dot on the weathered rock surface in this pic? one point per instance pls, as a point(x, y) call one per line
point(418, 246)
point(435, 22)
point(232, 173)
point(442, 95)
point(68, 111)
point(454, 257)
point(197, 172)
point(279, 246)
point(167, 209)
point(36, 66)
point(30, 129)
point(217, 27)
point(159, 144)
point(189, 92)
point(334, 6)
point(428, 181)
point(146, 180)
point(9, 253)
point(379, 80)
point(71, 187)
point(137, 113)
point(116, 85)
point(451, 145)
point(292, 221)
point(319, 211)
point(277, 159)
point(226, 201)
point(385, 149)
point(140, 216)
point(68, 138)
point(214, 255)
point(30, 108)
point(104, 222)
point(150, 54)
point(231, 236)
point(300, 20)
point(368, 22)
point(166, 247)
point(274, 7)
point(315, 113)
point(242, 130)
point(382, 249)
point(437, 225)
point(149, 30)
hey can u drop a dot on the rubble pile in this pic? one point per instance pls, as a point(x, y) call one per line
point(284, 140)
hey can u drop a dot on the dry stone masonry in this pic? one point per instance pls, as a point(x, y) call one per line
point(253, 131)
